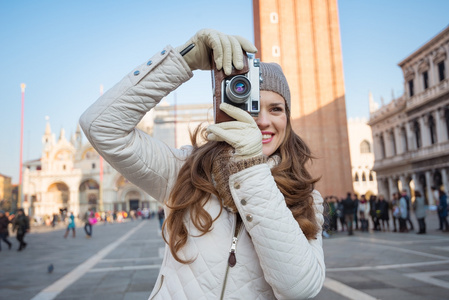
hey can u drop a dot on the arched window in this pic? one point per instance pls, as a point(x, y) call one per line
point(363, 176)
point(371, 177)
point(417, 131)
point(356, 177)
point(365, 147)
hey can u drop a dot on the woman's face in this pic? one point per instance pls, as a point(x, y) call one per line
point(272, 121)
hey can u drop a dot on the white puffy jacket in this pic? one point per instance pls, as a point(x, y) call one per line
point(274, 258)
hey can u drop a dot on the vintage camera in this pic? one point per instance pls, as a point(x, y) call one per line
point(241, 88)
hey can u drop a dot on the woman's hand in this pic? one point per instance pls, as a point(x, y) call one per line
point(227, 50)
point(242, 134)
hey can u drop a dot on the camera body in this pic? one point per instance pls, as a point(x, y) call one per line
point(240, 89)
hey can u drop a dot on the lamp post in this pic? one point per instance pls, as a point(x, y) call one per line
point(19, 198)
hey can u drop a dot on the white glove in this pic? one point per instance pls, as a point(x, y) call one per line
point(243, 134)
point(227, 50)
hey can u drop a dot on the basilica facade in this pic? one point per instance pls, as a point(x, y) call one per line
point(411, 133)
point(71, 176)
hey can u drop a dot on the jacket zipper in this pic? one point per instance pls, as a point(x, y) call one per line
point(232, 259)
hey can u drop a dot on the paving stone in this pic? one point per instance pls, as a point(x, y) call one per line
point(24, 274)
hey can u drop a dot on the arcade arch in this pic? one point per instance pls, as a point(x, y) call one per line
point(88, 195)
point(59, 195)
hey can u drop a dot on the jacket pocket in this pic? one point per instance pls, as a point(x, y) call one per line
point(159, 283)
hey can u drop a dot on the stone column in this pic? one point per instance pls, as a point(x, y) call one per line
point(410, 136)
point(429, 184)
point(442, 134)
point(433, 75)
point(445, 180)
point(376, 147)
point(405, 184)
point(389, 152)
point(381, 187)
point(392, 186)
point(425, 131)
point(417, 184)
point(400, 146)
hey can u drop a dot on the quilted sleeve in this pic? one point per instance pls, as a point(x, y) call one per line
point(109, 124)
point(292, 265)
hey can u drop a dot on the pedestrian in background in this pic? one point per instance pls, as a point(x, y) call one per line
point(54, 220)
point(88, 222)
point(403, 213)
point(420, 212)
point(395, 213)
point(363, 212)
point(21, 224)
point(409, 206)
point(373, 212)
point(442, 210)
point(71, 225)
point(384, 216)
point(349, 208)
point(161, 217)
point(332, 203)
point(4, 233)
point(341, 214)
point(356, 207)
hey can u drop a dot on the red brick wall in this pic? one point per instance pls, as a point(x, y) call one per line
point(308, 36)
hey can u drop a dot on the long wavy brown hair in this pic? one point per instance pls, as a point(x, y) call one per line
point(194, 187)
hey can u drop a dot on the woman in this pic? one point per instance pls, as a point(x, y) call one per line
point(242, 222)
point(403, 214)
point(420, 212)
point(363, 211)
point(71, 225)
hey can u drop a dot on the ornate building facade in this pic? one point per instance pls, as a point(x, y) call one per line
point(364, 178)
point(70, 175)
point(411, 133)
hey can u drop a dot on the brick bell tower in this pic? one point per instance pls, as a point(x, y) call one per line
point(303, 36)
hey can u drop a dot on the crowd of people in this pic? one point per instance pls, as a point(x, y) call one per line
point(19, 223)
point(354, 213)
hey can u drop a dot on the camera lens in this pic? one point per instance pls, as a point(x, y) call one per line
point(238, 89)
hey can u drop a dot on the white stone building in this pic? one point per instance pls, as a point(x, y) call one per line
point(411, 141)
point(68, 174)
point(362, 157)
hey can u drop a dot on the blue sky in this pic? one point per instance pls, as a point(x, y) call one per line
point(64, 51)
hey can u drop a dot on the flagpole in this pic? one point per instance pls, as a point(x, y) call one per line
point(19, 199)
point(101, 170)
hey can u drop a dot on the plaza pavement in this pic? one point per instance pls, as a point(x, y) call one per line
point(121, 261)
